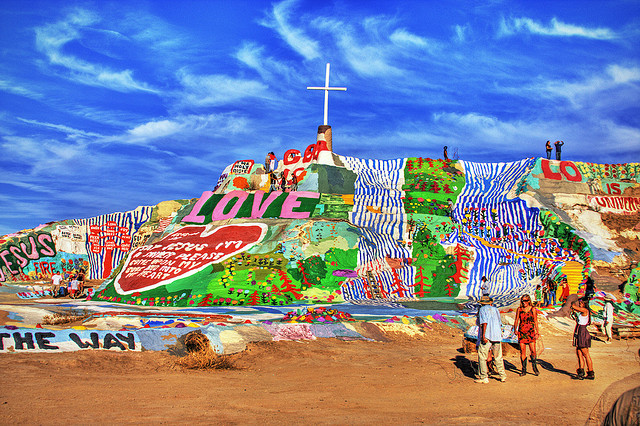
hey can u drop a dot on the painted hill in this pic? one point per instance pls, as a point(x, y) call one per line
point(353, 230)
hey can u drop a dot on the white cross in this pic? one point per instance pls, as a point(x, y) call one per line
point(326, 89)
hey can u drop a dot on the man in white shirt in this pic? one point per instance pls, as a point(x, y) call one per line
point(56, 281)
point(489, 339)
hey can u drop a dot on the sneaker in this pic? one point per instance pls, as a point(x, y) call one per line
point(503, 379)
point(485, 380)
point(607, 342)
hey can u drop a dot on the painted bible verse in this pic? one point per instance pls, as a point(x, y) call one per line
point(183, 253)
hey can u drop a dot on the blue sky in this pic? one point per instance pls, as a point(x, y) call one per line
point(107, 106)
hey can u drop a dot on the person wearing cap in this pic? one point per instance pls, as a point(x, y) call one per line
point(489, 339)
point(558, 145)
point(607, 313)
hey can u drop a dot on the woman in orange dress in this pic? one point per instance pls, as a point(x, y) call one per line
point(526, 328)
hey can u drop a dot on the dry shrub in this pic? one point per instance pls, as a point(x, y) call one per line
point(65, 317)
point(200, 355)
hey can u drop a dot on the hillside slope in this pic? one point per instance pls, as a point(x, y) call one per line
point(352, 229)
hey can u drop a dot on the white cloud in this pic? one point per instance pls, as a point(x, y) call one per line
point(461, 33)
point(69, 131)
point(51, 40)
point(621, 75)
point(15, 89)
point(555, 28)
point(484, 128)
point(45, 156)
point(269, 68)
point(402, 37)
point(278, 20)
point(591, 88)
point(182, 128)
point(368, 57)
point(154, 130)
point(476, 135)
point(214, 90)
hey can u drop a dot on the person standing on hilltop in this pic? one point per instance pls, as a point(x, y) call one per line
point(446, 156)
point(549, 149)
point(489, 339)
point(558, 145)
point(267, 163)
point(526, 328)
point(273, 182)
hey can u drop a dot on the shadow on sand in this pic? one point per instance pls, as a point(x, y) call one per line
point(469, 368)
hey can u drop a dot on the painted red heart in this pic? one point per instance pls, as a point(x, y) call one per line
point(183, 253)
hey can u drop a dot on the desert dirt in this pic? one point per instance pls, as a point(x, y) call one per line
point(406, 380)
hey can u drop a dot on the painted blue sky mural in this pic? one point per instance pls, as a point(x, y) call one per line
point(105, 106)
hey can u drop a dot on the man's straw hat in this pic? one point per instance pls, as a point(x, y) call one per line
point(485, 300)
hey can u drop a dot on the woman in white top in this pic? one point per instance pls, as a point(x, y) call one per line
point(582, 338)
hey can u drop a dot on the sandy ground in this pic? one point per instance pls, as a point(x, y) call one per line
point(427, 379)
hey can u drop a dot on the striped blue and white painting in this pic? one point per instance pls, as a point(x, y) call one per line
point(106, 259)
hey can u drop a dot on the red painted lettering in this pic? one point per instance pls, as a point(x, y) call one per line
point(310, 153)
point(291, 156)
point(321, 146)
point(614, 189)
point(576, 176)
point(548, 173)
